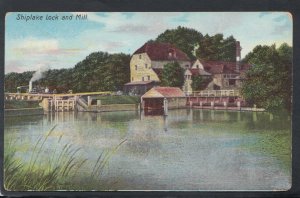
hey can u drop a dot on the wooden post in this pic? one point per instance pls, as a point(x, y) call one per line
point(239, 105)
point(89, 101)
point(99, 103)
point(165, 106)
point(225, 105)
point(45, 104)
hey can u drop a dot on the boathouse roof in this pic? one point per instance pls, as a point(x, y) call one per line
point(164, 92)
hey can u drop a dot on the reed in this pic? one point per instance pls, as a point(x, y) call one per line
point(57, 172)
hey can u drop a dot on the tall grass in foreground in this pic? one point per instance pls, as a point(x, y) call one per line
point(56, 172)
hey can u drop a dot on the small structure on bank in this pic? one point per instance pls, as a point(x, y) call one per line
point(160, 99)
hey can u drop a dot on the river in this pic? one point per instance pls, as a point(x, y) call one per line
point(190, 149)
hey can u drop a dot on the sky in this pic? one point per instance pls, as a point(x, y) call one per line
point(55, 44)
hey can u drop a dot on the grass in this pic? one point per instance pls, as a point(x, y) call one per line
point(20, 104)
point(56, 172)
point(106, 100)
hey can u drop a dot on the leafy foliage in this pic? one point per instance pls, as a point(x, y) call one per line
point(217, 48)
point(268, 82)
point(183, 38)
point(195, 45)
point(172, 75)
point(199, 82)
point(99, 71)
point(13, 80)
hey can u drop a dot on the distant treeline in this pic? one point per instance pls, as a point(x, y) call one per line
point(101, 71)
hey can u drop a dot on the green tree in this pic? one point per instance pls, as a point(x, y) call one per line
point(217, 48)
point(268, 82)
point(183, 38)
point(172, 75)
point(200, 82)
point(99, 71)
point(13, 80)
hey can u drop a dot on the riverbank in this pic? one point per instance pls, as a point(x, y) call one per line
point(24, 111)
point(230, 108)
point(20, 104)
point(22, 108)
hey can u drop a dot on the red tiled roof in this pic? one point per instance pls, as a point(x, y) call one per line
point(160, 51)
point(169, 91)
point(217, 67)
point(196, 72)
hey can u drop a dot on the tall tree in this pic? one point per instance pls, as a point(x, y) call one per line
point(183, 38)
point(217, 48)
point(268, 82)
point(172, 75)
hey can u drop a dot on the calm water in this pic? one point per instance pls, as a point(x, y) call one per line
point(187, 150)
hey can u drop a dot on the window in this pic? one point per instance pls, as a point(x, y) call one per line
point(231, 82)
point(136, 67)
point(140, 56)
point(142, 78)
point(148, 77)
point(197, 66)
point(131, 78)
point(146, 66)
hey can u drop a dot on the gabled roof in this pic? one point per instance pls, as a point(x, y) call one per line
point(218, 67)
point(160, 51)
point(164, 92)
point(196, 72)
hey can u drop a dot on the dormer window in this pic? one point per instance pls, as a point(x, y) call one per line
point(172, 53)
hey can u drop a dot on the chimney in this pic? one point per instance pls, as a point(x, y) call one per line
point(238, 55)
point(30, 86)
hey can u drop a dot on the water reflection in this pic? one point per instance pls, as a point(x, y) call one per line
point(188, 149)
point(251, 120)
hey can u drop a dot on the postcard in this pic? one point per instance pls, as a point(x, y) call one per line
point(148, 101)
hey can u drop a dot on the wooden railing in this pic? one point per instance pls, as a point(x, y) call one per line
point(231, 76)
point(215, 93)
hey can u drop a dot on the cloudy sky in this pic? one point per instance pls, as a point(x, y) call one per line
point(32, 44)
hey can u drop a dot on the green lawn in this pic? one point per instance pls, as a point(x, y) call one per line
point(105, 100)
point(20, 104)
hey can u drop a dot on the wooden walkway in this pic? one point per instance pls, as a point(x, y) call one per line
point(215, 93)
point(28, 96)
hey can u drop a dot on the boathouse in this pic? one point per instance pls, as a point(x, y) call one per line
point(163, 98)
